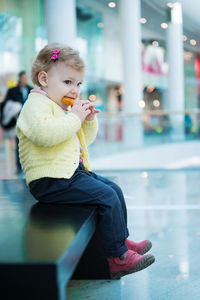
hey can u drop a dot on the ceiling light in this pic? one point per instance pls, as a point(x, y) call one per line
point(193, 42)
point(164, 25)
point(170, 4)
point(100, 25)
point(155, 43)
point(143, 20)
point(112, 4)
point(156, 103)
point(184, 38)
point(141, 103)
point(92, 97)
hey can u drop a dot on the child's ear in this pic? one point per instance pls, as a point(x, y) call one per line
point(43, 78)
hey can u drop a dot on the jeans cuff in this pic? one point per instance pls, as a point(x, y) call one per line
point(117, 252)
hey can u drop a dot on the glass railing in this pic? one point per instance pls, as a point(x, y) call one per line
point(119, 132)
point(126, 132)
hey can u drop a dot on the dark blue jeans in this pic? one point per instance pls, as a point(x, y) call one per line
point(91, 189)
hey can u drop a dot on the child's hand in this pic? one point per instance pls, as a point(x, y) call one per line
point(81, 109)
point(92, 113)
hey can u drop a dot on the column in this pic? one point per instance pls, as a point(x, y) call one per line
point(60, 21)
point(132, 68)
point(29, 12)
point(176, 71)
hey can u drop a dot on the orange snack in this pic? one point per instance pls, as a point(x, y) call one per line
point(68, 101)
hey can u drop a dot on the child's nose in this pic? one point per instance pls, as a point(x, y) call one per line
point(74, 91)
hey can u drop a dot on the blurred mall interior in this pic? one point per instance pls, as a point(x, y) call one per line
point(142, 58)
point(143, 72)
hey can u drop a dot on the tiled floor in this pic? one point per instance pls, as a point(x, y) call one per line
point(165, 208)
point(169, 156)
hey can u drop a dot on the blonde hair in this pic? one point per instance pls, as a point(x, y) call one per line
point(43, 61)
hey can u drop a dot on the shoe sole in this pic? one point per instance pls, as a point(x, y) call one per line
point(144, 263)
point(146, 249)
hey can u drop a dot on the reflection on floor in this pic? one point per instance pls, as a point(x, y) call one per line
point(165, 208)
point(168, 156)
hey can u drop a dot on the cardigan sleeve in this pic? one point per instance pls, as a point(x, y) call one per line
point(39, 124)
point(90, 129)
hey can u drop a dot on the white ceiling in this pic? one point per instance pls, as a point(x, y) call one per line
point(191, 11)
point(155, 11)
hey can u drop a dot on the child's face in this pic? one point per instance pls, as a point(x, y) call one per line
point(63, 81)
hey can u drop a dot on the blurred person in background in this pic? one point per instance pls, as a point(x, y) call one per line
point(9, 111)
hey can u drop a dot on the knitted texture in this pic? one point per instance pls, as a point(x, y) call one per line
point(48, 142)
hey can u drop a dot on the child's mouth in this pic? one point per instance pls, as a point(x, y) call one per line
point(68, 101)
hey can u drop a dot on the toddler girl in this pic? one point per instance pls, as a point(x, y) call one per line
point(53, 153)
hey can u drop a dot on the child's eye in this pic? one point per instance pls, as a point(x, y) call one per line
point(79, 83)
point(68, 81)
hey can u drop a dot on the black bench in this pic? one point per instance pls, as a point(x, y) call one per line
point(43, 246)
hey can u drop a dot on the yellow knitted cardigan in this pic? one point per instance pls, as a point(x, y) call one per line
point(48, 143)
point(84, 152)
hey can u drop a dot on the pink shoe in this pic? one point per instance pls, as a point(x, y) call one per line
point(132, 262)
point(140, 248)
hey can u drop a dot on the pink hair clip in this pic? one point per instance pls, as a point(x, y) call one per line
point(55, 54)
